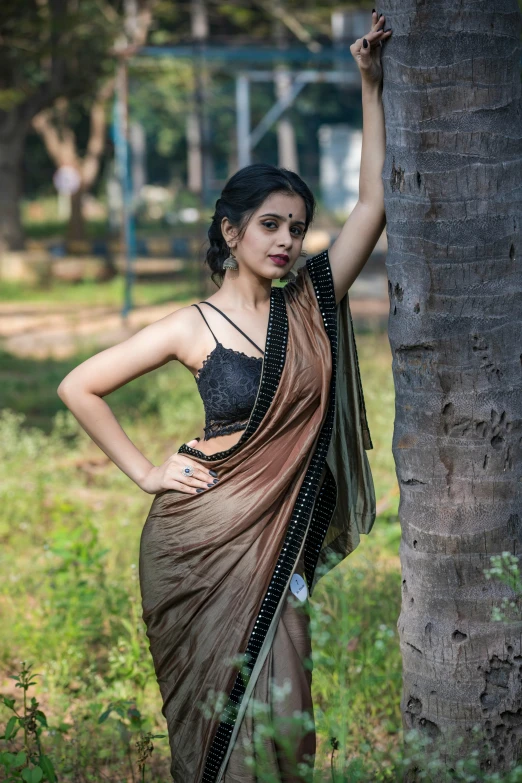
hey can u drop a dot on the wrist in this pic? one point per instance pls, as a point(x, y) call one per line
point(141, 481)
point(370, 86)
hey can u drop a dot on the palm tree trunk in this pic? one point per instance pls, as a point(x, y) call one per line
point(452, 195)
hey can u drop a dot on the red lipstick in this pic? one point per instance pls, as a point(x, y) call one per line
point(280, 260)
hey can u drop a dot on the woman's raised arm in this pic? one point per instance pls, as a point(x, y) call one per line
point(366, 222)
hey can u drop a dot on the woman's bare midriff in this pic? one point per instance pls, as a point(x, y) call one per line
point(219, 443)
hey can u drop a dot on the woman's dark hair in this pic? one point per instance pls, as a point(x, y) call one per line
point(244, 192)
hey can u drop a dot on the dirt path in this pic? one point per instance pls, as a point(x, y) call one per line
point(39, 330)
point(59, 329)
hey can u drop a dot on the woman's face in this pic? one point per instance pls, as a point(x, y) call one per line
point(273, 238)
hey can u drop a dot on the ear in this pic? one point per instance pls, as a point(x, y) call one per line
point(229, 232)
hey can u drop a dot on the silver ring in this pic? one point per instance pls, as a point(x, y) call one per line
point(187, 470)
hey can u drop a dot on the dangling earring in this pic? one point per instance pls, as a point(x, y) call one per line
point(231, 261)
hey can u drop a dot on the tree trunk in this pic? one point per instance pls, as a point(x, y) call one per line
point(452, 196)
point(76, 225)
point(194, 157)
point(13, 132)
point(286, 142)
point(199, 142)
point(57, 133)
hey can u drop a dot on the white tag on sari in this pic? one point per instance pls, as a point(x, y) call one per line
point(298, 587)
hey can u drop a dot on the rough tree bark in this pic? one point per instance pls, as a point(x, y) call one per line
point(452, 176)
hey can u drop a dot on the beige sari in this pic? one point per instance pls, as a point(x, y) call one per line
point(295, 493)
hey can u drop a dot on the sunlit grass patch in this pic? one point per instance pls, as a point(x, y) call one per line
point(90, 293)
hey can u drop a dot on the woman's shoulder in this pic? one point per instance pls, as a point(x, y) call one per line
point(184, 327)
point(182, 318)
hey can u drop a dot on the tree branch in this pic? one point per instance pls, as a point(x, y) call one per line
point(127, 48)
point(295, 27)
point(61, 147)
point(96, 143)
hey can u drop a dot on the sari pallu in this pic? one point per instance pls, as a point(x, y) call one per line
point(215, 567)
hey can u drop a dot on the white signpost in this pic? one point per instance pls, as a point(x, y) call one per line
point(66, 180)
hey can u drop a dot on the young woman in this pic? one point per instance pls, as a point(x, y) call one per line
point(280, 484)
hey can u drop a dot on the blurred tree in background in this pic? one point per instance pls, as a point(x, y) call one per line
point(161, 94)
point(57, 63)
point(56, 125)
point(51, 49)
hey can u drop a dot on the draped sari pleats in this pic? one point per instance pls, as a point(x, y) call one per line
point(215, 567)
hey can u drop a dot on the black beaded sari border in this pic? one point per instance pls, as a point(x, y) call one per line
point(320, 274)
point(322, 516)
point(327, 496)
point(273, 363)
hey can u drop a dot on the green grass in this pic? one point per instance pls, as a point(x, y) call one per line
point(110, 293)
point(70, 536)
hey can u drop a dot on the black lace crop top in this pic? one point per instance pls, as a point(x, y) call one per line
point(228, 382)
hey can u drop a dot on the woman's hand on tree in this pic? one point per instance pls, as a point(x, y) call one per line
point(170, 475)
point(368, 58)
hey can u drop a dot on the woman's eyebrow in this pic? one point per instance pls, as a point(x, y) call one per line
point(274, 214)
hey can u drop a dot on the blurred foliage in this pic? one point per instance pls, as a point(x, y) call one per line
point(49, 46)
point(161, 94)
point(245, 22)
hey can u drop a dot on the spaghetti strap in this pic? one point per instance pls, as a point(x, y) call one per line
point(233, 324)
point(207, 323)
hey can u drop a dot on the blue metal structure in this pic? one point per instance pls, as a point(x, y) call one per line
point(121, 145)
